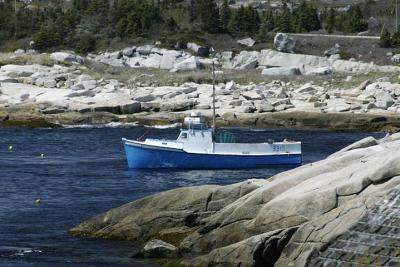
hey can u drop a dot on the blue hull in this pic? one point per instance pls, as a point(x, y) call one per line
point(145, 158)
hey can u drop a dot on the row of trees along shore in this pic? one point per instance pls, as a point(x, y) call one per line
point(89, 25)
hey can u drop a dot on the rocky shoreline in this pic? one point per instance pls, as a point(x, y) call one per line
point(30, 118)
point(341, 210)
point(42, 96)
point(152, 85)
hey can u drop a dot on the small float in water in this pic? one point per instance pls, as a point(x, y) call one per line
point(202, 147)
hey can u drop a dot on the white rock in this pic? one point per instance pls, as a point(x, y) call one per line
point(19, 52)
point(321, 71)
point(169, 59)
point(199, 50)
point(144, 50)
point(191, 63)
point(252, 95)
point(306, 89)
point(230, 86)
point(67, 57)
point(246, 60)
point(153, 61)
point(89, 84)
point(6, 79)
point(22, 70)
point(249, 42)
point(281, 71)
point(395, 58)
point(264, 106)
point(129, 51)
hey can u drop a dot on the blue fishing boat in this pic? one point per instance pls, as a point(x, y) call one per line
point(198, 147)
point(202, 147)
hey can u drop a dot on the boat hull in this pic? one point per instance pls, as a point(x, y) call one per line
point(144, 157)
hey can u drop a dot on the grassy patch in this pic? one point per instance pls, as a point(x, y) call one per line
point(26, 59)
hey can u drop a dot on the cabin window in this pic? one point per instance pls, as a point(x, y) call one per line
point(183, 135)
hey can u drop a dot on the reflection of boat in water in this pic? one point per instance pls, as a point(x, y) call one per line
point(197, 147)
point(201, 147)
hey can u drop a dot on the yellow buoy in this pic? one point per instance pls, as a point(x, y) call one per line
point(38, 201)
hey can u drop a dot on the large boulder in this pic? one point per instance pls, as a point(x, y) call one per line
point(284, 43)
point(190, 63)
point(332, 51)
point(21, 71)
point(169, 59)
point(201, 51)
point(246, 60)
point(374, 24)
point(129, 51)
point(67, 57)
point(145, 50)
point(395, 58)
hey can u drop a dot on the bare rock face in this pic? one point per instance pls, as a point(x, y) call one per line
point(282, 221)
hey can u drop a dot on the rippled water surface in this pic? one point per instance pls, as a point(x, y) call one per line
point(83, 173)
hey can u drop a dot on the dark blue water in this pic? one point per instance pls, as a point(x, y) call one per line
point(84, 173)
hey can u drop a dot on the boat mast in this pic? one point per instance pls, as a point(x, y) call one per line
point(213, 72)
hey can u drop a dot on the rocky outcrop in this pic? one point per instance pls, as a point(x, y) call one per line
point(149, 56)
point(286, 220)
point(197, 57)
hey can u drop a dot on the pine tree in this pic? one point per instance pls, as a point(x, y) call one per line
point(330, 21)
point(385, 39)
point(395, 40)
point(225, 16)
point(284, 20)
point(209, 15)
point(355, 21)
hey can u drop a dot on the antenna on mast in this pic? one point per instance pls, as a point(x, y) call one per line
point(213, 73)
point(397, 17)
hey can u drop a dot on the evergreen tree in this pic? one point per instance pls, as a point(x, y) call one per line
point(306, 18)
point(395, 40)
point(268, 22)
point(355, 21)
point(225, 16)
point(284, 20)
point(47, 37)
point(385, 39)
point(330, 20)
point(209, 15)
